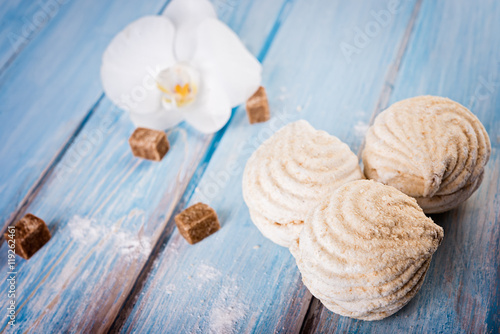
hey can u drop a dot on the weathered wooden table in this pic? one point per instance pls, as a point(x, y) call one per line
point(116, 261)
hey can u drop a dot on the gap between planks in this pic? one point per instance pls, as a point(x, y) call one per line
point(44, 176)
point(392, 71)
point(315, 306)
point(311, 319)
point(165, 235)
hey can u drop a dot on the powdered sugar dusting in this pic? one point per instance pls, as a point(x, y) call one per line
point(84, 230)
point(360, 129)
point(207, 273)
point(226, 311)
point(87, 231)
point(170, 289)
point(132, 245)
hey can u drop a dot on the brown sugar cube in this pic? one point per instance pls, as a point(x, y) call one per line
point(197, 222)
point(149, 144)
point(30, 235)
point(258, 107)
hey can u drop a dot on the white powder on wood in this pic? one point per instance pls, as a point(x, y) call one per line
point(226, 311)
point(131, 245)
point(84, 230)
point(170, 289)
point(207, 273)
point(360, 129)
point(87, 231)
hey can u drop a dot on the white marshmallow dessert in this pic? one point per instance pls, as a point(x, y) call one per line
point(292, 172)
point(365, 250)
point(430, 148)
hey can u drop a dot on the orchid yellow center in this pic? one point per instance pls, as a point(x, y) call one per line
point(179, 85)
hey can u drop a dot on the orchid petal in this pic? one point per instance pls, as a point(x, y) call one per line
point(187, 15)
point(239, 72)
point(211, 109)
point(179, 11)
point(132, 61)
point(159, 120)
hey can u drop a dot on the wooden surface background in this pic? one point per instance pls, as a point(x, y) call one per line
point(116, 261)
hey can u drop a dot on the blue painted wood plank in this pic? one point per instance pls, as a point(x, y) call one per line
point(454, 52)
point(20, 22)
point(236, 280)
point(50, 88)
point(107, 209)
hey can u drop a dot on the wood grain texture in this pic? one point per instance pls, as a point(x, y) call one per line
point(20, 22)
point(236, 280)
point(65, 158)
point(106, 210)
point(50, 88)
point(453, 52)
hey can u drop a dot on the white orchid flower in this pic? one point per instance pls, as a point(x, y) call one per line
point(183, 65)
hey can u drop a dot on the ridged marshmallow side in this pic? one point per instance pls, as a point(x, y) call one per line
point(430, 148)
point(290, 173)
point(365, 250)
